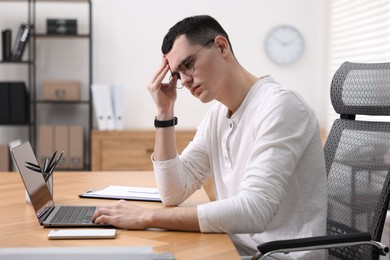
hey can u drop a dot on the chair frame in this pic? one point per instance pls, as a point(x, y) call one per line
point(351, 239)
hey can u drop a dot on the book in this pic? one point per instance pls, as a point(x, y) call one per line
point(20, 42)
point(6, 44)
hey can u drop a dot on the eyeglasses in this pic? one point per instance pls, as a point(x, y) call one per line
point(186, 66)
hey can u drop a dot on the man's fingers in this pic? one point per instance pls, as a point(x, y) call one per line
point(161, 72)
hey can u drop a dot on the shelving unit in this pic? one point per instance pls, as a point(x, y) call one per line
point(41, 65)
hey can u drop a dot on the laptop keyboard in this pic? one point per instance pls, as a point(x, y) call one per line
point(74, 214)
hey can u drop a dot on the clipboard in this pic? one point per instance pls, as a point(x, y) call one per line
point(124, 192)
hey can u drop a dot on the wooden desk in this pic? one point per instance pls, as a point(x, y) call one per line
point(20, 228)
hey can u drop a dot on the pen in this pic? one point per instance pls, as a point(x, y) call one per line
point(51, 168)
point(44, 168)
point(35, 169)
point(52, 158)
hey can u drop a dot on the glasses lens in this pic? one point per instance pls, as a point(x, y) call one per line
point(187, 67)
point(175, 78)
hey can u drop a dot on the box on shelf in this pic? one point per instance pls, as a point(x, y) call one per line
point(61, 26)
point(58, 90)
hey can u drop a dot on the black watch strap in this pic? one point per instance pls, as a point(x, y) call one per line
point(167, 123)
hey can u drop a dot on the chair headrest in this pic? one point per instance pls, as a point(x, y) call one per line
point(361, 89)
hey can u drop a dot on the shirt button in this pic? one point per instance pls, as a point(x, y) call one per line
point(231, 125)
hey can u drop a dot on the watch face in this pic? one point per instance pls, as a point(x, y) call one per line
point(284, 44)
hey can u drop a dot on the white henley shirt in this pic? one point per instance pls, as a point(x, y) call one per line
point(268, 167)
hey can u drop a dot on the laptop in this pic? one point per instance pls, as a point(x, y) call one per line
point(48, 214)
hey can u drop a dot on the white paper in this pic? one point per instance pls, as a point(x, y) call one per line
point(125, 192)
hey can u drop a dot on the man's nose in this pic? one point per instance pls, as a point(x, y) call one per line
point(186, 80)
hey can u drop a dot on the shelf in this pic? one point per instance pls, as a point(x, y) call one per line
point(80, 102)
point(18, 125)
point(15, 62)
point(46, 1)
point(51, 36)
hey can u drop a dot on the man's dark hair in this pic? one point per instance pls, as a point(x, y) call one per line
point(198, 30)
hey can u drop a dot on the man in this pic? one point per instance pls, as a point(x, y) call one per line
point(260, 143)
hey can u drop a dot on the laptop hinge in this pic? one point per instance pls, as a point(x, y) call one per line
point(42, 217)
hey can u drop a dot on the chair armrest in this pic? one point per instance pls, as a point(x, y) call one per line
point(319, 242)
point(313, 241)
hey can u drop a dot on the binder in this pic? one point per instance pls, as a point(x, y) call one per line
point(20, 42)
point(5, 117)
point(97, 101)
point(46, 142)
point(117, 102)
point(19, 103)
point(107, 106)
point(61, 141)
point(102, 101)
point(5, 161)
point(14, 103)
point(6, 41)
point(76, 147)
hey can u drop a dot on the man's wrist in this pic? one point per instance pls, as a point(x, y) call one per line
point(165, 123)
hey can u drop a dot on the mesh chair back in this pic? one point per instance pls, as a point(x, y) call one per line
point(357, 156)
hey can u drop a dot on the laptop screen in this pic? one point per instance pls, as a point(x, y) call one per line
point(34, 182)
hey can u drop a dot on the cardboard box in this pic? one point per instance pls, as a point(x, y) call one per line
point(58, 90)
point(4, 158)
point(76, 147)
point(46, 143)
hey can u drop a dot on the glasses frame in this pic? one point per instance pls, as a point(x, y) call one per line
point(186, 66)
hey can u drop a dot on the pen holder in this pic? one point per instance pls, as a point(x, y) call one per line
point(49, 184)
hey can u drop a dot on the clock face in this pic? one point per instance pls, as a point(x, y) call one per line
point(284, 44)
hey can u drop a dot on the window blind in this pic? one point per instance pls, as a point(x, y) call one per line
point(359, 31)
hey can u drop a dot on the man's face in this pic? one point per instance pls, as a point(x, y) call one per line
point(194, 64)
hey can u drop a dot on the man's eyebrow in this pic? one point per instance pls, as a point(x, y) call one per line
point(170, 68)
point(175, 70)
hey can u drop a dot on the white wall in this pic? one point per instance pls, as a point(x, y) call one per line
point(127, 37)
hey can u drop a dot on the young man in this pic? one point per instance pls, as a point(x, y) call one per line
point(260, 143)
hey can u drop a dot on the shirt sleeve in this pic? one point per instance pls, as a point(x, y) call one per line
point(180, 177)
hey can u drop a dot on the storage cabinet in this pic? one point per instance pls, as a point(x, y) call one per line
point(128, 150)
point(48, 57)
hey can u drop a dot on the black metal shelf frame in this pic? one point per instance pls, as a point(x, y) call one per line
point(32, 71)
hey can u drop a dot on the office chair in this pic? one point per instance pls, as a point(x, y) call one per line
point(357, 158)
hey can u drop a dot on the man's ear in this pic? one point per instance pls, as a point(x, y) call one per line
point(222, 43)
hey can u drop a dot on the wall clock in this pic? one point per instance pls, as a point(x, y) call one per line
point(284, 44)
